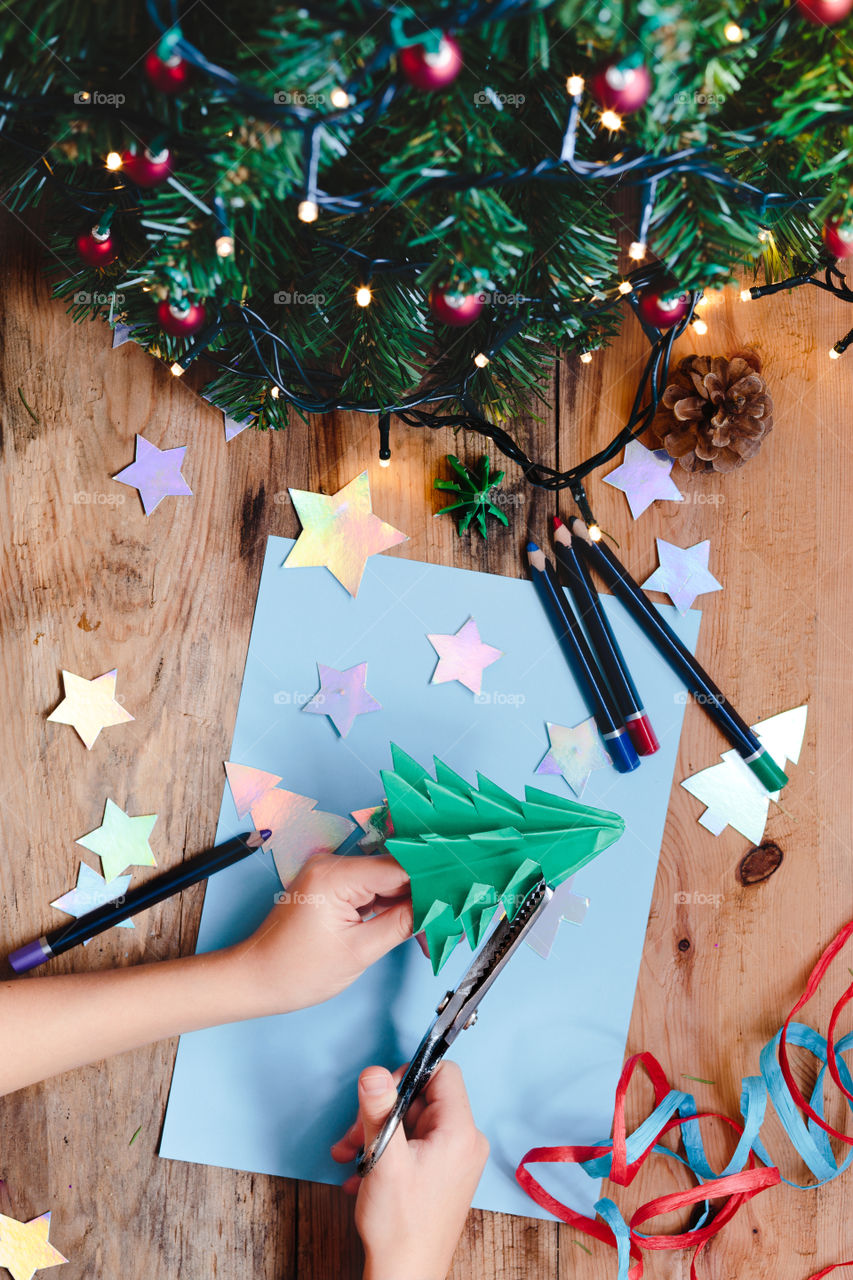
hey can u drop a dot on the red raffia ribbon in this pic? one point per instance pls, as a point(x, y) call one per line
point(734, 1189)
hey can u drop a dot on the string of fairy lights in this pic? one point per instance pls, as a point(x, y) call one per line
point(422, 49)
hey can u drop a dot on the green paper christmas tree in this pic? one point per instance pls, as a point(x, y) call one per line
point(471, 849)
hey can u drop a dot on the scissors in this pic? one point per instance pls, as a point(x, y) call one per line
point(456, 1012)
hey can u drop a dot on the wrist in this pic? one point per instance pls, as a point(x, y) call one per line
point(256, 987)
point(390, 1265)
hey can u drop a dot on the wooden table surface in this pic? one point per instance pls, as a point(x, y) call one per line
point(89, 583)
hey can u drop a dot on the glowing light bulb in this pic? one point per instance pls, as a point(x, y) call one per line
point(611, 120)
point(700, 326)
point(594, 533)
point(274, 392)
point(637, 250)
point(177, 370)
point(481, 360)
point(586, 357)
point(764, 235)
point(574, 85)
point(225, 246)
point(625, 286)
point(834, 353)
point(745, 295)
point(113, 160)
point(339, 98)
point(384, 462)
point(733, 33)
point(363, 296)
point(307, 211)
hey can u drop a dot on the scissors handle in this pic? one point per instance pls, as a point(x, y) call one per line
point(429, 1054)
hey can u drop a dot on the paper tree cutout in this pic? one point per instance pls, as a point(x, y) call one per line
point(248, 785)
point(299, 829)
point(733, 795)
point(565, 906)
point(25, 1248)
point(468, 850)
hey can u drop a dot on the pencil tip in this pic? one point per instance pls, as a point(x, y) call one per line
point(265, 834)
point(531, 546)
point(558, 524)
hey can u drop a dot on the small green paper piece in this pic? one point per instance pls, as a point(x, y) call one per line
point(469, 850)
point(475, 490)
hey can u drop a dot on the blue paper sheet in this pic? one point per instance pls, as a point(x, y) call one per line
point(542, 1063)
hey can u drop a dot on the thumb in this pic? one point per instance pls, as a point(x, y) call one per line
point(384, 931)
point(377, 1094)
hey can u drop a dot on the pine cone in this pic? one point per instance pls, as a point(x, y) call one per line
point(715, 413)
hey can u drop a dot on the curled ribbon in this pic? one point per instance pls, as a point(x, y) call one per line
point(750, 1169)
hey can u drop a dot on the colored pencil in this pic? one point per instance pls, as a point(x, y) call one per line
point(581, 662)
point(603, 642)
point(146, 895)
point(700, 684)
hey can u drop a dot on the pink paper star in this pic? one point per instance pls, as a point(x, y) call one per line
point(463, 657)
point(342, 696)
point(156, 473)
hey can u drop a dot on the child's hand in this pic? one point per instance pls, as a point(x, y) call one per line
point(412, 1206)
point(316, 941)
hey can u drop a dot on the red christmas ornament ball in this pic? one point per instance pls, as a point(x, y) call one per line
point(95, 250)
point(825, 13)
point(167, 76)
point(454, 308)
point(663, 305)
point(838, 237)
point(181, 324)
point(430, 71)
point(146, 169)
point(622, 89)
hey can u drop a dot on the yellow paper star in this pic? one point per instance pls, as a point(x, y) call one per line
point(24, 1247)
point(89, 705)
point(340, 532)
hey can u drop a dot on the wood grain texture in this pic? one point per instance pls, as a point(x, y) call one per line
point(88, 583)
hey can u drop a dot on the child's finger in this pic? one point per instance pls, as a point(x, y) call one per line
point(377, 936)
point(377, 1094)
point(360, 880)
point(447, 1107)
point(348, 1146)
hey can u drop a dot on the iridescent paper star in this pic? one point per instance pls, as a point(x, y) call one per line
point(298, 829)
point(122, 333)
point(25, 1248)
point(121, 841)
point(90, 705)
point(683, 573)
point(565, 907)
point(342, 696)
point(233, 427)
point(463, 657)
point(248, 785)
point(92, 891)
point(574, 753)
point(643, 476)
point(340, 532)
point(156, 473)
